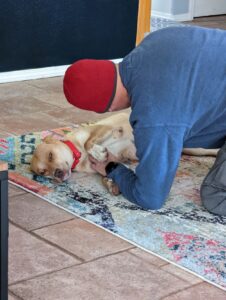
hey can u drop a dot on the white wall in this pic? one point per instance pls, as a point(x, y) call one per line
point(180, 7)
point(184, 10)
point(161, 6)
point(209, 7)
point(178, 10)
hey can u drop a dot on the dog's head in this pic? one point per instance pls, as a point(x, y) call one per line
point(52, 158)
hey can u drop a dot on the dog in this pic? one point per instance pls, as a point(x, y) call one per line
point(57, 158)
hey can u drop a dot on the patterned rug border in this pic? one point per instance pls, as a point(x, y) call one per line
point(121, 237)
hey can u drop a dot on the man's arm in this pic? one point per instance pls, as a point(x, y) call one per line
point(159, 151)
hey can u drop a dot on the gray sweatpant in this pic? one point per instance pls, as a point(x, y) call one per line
point(213, 188)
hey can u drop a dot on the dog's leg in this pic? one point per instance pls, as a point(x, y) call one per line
point(99, 144)
point(98, 152)
point(111, 186)
point(200, 151)
point(98, 135)
point(94, 144)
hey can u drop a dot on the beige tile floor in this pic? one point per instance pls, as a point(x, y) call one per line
point(55, 256)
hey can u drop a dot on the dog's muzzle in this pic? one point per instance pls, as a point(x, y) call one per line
point(59, 174)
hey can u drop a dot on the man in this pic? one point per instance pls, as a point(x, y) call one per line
point(175, 83)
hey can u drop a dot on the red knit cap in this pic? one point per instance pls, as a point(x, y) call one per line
point(91, 84)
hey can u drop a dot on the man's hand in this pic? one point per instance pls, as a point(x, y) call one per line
point(99, 166)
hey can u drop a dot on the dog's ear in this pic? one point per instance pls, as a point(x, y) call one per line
point(50, 140)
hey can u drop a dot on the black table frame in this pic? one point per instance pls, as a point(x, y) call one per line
point(4, 225)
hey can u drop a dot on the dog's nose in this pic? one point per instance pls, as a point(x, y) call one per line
point(58, 173)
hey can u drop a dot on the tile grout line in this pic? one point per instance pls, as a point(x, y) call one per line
point(31, 114)
point(170, 273)
point(137, 256)
point(40, 275)
point(42, 227)
point(181, 290)
point(49, 242)
point(47, 102)
point(68, 267)
point(46, 90)
point(23, 192)
point(15, 295)
point(50, 225)
point(178, 277)
point(82, 260)
point(44, 79)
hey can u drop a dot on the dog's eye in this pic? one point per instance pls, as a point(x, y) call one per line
point(50, 156)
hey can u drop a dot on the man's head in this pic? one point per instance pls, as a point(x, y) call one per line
point(94, 85)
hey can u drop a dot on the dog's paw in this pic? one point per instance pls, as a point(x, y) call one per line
point(99, 152)
point(111, 186)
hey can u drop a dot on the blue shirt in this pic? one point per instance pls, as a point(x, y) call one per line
point(176, 80)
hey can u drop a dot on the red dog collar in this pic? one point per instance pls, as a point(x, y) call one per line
point(75, 151)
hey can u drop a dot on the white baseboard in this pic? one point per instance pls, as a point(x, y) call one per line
point(36, 73)
point(32, 74)
point(179, 18)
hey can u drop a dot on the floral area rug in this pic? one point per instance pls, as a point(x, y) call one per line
point(182, 232)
